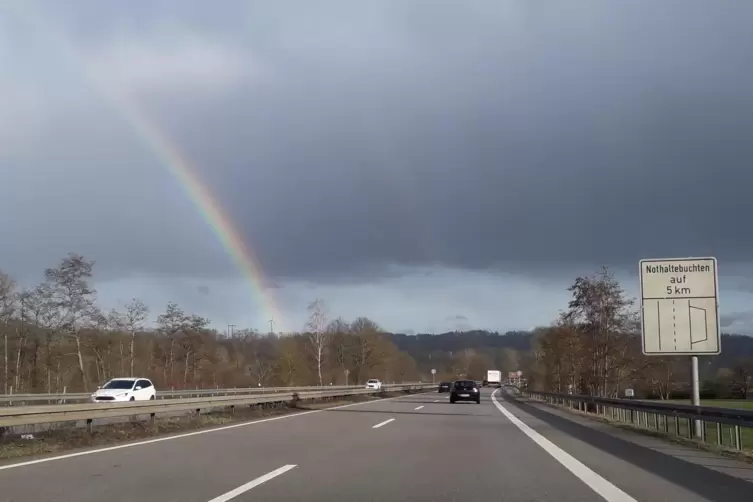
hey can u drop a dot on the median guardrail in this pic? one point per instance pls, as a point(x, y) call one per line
point(63, 398)
point(727, 426)
point(45, 414)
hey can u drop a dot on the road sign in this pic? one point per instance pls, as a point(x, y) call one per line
point(433, 372)
point(629, 393)
point(512, 375)
point(679, 307)
point(519, 373)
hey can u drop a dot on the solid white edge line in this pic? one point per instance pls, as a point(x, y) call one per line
point(382, 423)
point(252, 484)
point(437, 400)
point(418, 408)
point(188, 434)
point(607, 490)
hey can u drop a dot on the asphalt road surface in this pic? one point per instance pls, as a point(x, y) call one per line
point(412, 448)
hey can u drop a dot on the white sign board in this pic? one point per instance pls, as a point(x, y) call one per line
point(629, 393)
point(679, 307)
point(433, 372)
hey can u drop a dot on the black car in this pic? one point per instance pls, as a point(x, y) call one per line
point(444, 386)
point(465, 390)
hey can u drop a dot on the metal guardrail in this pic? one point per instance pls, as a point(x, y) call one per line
point(661, 417)
point(62, 398)
point(32, 415)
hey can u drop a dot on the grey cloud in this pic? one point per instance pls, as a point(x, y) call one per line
point(456, 318)
point(513, 135)
point(736, 318)
point(204, 290)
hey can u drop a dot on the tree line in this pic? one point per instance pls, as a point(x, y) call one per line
point(56, 338)
point(594, 348)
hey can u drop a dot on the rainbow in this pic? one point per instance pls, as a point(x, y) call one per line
point(171, 158)
point(211, 211)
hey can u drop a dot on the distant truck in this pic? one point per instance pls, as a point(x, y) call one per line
point(494, 377)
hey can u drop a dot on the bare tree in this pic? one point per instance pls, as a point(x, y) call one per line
point(343, 345)
point(741, 377)
point(369, 351)
point(317, 332)
point(169, 324)
point(134, 318)
point(74, 301)
point(601, 313)
point(191, 342)
point(291, 360)
point(38, 313)
point(7, 310)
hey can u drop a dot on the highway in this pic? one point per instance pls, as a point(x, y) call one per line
point(411, 448)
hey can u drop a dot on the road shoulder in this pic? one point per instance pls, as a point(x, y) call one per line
point(647, 467)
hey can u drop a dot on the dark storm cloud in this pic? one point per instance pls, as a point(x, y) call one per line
point(524, 134)
point(476, 134)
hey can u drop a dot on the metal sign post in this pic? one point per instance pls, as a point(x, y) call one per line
point(680, 312)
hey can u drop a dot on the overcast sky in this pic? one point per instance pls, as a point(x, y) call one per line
point(431, 164)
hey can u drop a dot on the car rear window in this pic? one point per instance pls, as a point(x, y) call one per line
point(464, 385)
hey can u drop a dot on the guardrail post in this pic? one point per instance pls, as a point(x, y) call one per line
point(677, 425)
point(152, 419)
point(88, 425)
point(738, 438)
point(719, 433)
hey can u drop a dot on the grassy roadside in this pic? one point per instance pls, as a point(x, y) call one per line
point(742, 404)
point(69, 439)
point(725, 449)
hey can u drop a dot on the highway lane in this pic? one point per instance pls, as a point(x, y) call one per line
point(442, 452)
point(421, 450)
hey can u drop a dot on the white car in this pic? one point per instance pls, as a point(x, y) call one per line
point(374, 384)
point(125, 389)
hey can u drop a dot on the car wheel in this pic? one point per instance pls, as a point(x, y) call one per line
point(151, 397)
point(132, 398)
point(452, 401)
point(478, 401)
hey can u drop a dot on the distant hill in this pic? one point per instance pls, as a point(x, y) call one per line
point(428, 347)
point(491, 350)
point(454, 341)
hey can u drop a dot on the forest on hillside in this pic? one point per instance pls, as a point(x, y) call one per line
point(56, 338)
